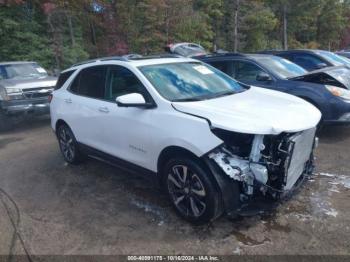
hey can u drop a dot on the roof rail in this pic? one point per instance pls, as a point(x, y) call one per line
point(120, 58)
point(221, 54)
point(127, 57)
point(166, 55)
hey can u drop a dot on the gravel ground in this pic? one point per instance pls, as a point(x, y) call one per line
point(97, 209)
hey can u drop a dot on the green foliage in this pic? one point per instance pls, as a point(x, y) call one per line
point(331, 22)
point(60, 33)
point(259, 23)
point(22, 36)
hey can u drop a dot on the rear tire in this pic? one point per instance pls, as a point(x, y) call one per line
point(68, 145)
point(6, 122)
point(191, 190)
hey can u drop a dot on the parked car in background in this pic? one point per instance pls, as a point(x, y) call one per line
point(328, 89)
point(344, 53)
point(213, 144)
point(311, 59)
point(185, 49)
point(24, 89)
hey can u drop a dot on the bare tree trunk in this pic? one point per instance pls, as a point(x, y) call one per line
point(55, 41)
point(167, 24)
point(71, 29)
point(235, 30)
point(285, 26)
point(93, 36)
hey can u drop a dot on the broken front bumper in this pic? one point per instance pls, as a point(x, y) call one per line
point(261, 175)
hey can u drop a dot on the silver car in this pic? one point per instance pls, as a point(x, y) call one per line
point(24, 89)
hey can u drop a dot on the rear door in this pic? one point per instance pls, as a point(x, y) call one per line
point(84, 105)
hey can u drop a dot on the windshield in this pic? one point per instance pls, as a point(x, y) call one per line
point(191, 81)
point(334, 58)
point(21, 71)
point(283, 68)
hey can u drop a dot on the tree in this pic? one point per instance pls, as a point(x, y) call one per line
point(331, 23)
point(22, 34)
point(258, 23)
point(213, 12)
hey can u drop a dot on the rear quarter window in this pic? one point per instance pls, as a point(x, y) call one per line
point(63, 78)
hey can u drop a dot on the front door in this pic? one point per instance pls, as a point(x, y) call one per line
point(248, 73)
point(125, 131)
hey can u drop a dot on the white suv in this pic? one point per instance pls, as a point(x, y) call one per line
point(213, 143)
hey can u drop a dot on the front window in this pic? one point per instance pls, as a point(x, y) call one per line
point(21, 71)
point(334, 58)
point(281, 67)
point(191, 81)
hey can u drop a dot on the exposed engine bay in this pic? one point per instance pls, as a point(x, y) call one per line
point(265, 163)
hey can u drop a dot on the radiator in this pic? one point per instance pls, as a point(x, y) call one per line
point(303, 146)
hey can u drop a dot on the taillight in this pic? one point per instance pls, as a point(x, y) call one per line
point(50, 98)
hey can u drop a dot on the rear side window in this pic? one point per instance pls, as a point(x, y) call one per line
point(63, 78)
point(224, 66)
point(90, 82)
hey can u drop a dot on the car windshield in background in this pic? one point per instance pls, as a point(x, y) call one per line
point(188, 51)
point(281, 67)
point(190, 81)
point(334, 58)
point(21, 71)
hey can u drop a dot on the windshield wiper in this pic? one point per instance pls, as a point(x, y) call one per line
point(226, 93)
point(204, 97)
point(189, 99)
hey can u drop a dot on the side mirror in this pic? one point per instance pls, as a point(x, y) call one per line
point(263, 77)
point(321, 65)
point(132, 100)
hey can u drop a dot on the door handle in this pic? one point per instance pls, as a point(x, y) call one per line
point(103, 109)
point(68, 100)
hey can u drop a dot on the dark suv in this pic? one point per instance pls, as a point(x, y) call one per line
point(327, 89)
point(311, 59)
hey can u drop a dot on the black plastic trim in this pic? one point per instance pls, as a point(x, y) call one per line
point(115, 161)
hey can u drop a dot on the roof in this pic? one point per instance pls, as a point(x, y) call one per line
point(16, 62)
point(132, 60)
point(232, 55)
point(219, 55)
point(259, 55)
point(290, 51)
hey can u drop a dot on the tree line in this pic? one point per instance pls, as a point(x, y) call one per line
point(62, 32)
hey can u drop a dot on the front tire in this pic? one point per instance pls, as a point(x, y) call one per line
point(191, 190)
point(68, 145)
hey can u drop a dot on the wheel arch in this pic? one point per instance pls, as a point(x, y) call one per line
point(170, 152)
point(60, 122)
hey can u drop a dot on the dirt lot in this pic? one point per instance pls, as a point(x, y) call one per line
point(97, 209)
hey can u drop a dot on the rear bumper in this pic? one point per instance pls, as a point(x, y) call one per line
point(38, 106)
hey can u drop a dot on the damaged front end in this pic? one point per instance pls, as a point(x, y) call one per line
point(264, 164)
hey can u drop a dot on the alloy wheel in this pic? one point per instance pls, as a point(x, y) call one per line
point(67, 144)
point(186, 191)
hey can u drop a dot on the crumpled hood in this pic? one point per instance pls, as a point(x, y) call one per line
point(255, 111)
point(340, 76)
point(29, 83)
